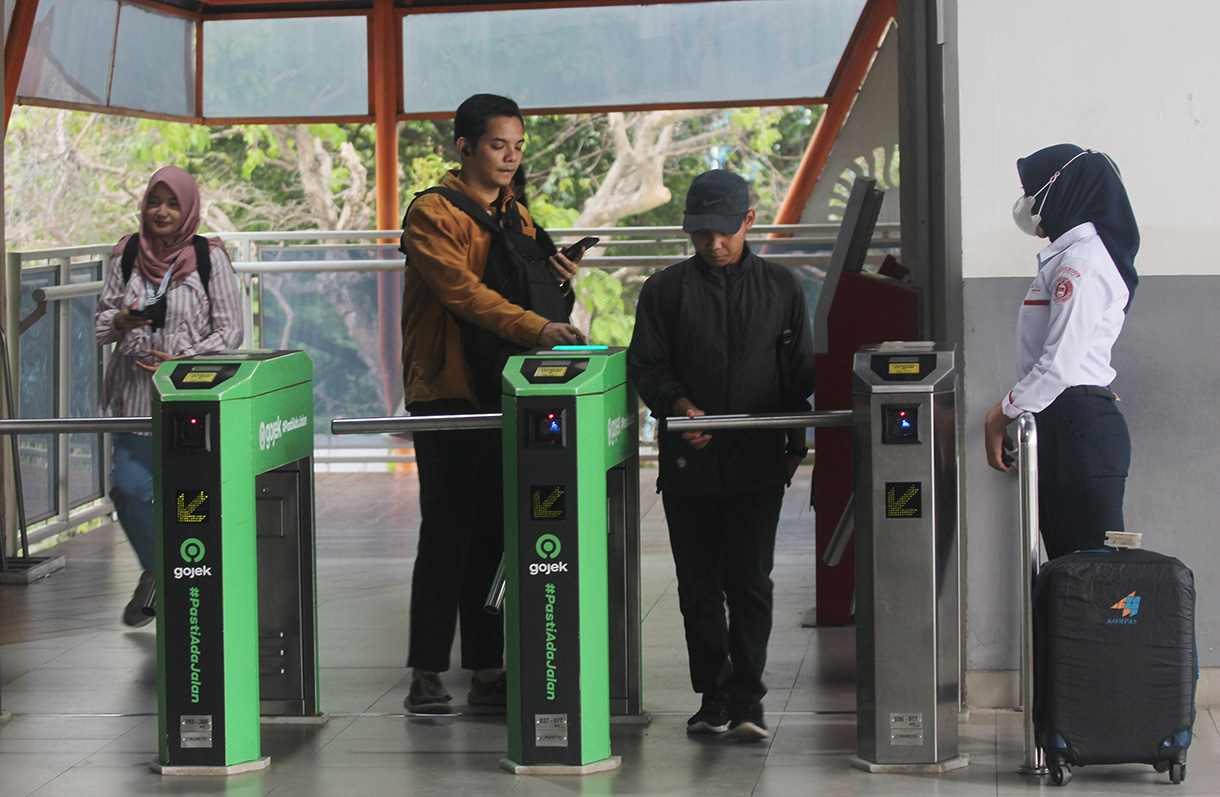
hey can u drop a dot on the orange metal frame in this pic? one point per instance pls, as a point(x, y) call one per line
point(15, 47)
point(385, 82)
point(866, 39)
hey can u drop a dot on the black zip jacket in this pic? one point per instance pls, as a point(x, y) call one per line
point(732, 340)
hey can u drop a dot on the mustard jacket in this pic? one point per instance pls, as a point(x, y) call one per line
point(446, 253)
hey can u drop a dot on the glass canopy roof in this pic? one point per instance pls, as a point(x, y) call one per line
point(315, 61)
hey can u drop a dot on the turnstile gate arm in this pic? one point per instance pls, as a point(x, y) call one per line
point(135, 423)
point(843, 531)
point(18, 426)
point(780, 420)
point(495, 596)
point(432, 423)
point(1027, 466)
point(415, 423)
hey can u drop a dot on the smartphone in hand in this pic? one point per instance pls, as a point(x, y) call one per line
point(580, 246)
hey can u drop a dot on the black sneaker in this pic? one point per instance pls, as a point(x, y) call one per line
point(489, 693)
point(747, 724)
point(427, 695)
point(712, 717)
point(139, 610)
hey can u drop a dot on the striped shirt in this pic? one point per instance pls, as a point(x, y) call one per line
point(196, 322)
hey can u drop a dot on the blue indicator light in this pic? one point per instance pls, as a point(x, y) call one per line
point(579, 348)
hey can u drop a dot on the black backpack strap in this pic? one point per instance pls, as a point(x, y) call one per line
point(203, 262)
point(458, 200)
point(129, 256)
point(462, 202)
point(203, 258)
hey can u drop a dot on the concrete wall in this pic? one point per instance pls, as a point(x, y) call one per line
point(1138, 81)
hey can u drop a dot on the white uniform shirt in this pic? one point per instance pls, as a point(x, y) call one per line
point(1069, 321)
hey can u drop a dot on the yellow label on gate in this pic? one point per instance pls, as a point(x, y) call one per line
point(904, 368)
point(200, 376)
point(551, 371)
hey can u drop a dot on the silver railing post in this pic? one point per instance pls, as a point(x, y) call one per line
point(1027, 465)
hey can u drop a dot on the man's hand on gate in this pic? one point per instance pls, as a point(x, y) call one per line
point(557, 334)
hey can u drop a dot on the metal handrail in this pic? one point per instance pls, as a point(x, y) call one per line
point(136, 423)
point(59, 293)
point(1027, 466)
point(415, 423)
point(782, 420)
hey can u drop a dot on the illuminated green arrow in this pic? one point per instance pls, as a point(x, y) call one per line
point(186, 512)
point(542, 508)
point(898, 507)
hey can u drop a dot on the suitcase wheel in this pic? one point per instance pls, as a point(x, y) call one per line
point(1061, 774)
point(1177, 772)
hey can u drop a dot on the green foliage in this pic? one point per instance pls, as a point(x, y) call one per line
point(602, 295)
point(168, 143)
point(423, 172)
point(549, 216)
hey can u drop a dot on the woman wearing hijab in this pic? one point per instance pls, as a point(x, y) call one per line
point(1069, 321)
point(162, 311)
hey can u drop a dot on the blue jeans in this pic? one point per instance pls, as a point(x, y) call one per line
point(131, 490)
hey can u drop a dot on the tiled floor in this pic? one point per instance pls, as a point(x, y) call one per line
point(81, 689)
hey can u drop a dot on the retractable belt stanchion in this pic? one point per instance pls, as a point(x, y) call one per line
point(233, 447)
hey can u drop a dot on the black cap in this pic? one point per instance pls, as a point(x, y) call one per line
point(717, 200)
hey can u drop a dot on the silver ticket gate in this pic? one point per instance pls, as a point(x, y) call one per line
point(908, 643)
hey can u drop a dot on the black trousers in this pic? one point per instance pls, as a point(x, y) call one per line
point(724, 548)
point(461, 539)
point(1084, 451)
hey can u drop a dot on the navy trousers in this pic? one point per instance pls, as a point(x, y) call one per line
point(1084, 451)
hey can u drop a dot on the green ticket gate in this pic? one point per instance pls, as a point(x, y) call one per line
point(236, 621)
point(571, 546)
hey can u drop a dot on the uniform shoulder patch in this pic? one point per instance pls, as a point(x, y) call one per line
point(1063, 289)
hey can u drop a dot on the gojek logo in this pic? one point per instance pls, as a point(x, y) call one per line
point(1130, 606)
point(616, 426)
point(270, 433)
point(192, 550)
point(548, 547)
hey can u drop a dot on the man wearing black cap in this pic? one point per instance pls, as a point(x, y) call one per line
point(724, 332)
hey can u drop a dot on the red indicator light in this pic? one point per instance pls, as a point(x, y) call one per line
point(194, 421)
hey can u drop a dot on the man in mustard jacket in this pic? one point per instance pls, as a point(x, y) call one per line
point(461, 535)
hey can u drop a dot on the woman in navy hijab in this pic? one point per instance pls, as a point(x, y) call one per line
point(1067, 326)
